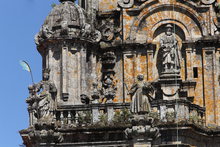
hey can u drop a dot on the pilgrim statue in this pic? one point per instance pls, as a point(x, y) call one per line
point(169, 47)
point(141, 94)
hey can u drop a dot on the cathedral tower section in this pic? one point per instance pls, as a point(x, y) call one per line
point(67, 43)
point(127, 73)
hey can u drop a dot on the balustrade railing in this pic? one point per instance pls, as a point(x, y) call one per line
point(173, 111)
point(163, 111)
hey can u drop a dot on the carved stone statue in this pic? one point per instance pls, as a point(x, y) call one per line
point(96, 93)
point(43, 101)
point(169, 47)
point(32, 97)
point(109, 89)
point(84, 99)
point(141, 93)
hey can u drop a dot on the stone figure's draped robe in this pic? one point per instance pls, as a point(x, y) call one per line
point(140, 100)
point(169, 46)
point(46, 105)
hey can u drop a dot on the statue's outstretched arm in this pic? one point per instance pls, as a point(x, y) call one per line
point(133, 89)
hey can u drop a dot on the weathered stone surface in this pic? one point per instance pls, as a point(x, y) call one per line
point(95, 52)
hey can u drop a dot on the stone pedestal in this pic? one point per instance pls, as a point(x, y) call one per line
point(163, 111)
point(144, 144)
point(170, 85)
point(142, 132)
point(95, 114)
point(110, 112)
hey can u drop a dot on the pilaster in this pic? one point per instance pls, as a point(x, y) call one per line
point(208, 54)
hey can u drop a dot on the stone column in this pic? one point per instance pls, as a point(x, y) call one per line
point(129, 76)
point(209, 83)
point(181, 111)
point(150, 57)
point(83, 71)
point(163, 111)
point(49, 60)
point(93, 65)
point(30, 117)
point(110, 112)
point(189, 65)
point(95, 114)
point(217, 86)
point(64, 74)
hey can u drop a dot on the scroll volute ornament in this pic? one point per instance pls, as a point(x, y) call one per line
point(125, 3)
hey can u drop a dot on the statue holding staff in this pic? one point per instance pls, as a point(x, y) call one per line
point(169, 47)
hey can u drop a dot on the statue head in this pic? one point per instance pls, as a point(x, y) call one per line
point(108, 80)
point(84, 99)
point(30, 87)
point(95, 84)
point(169, 29)
point(46, 74)
point(140, 77)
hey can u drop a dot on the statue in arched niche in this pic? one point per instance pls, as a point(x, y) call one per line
point(169, 48)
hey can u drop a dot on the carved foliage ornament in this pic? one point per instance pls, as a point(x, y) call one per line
point(86, 32)
point(107, 29)
point(109, 89)
point(89, 33)
point(143, 128)
point(110, 31)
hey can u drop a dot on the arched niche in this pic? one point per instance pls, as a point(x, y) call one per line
point(144, 26)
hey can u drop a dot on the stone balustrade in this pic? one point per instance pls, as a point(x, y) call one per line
point(179, 110)
point(84, 115)
point(163, 111)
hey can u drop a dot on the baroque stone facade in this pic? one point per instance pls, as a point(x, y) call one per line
point(127, 73)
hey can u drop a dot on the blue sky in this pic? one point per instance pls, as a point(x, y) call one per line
point(20, 21)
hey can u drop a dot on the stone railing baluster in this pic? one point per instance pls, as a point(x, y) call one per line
point(77, 118)
point(62, 118)
point(69, 117)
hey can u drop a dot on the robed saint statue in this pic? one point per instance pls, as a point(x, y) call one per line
point(141, 94)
